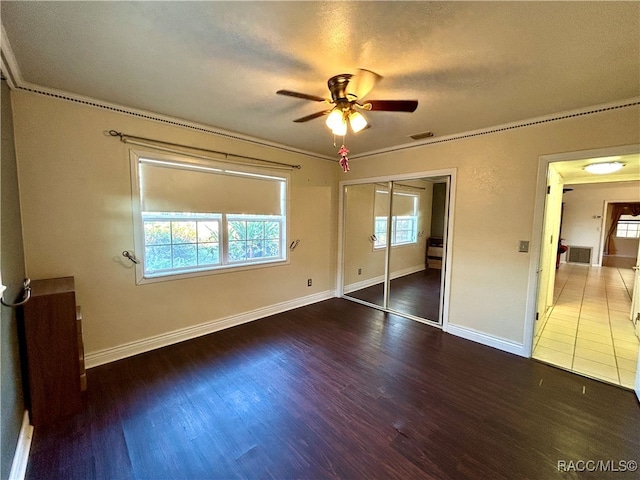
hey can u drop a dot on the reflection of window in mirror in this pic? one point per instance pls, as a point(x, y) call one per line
point(404, 226)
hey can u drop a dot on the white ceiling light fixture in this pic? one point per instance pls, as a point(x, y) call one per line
point(603, 168)
point(357, 121)
point(336, 123)
point(338, 119)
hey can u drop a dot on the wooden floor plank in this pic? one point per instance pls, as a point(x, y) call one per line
point(416, 294)
point(336, 390)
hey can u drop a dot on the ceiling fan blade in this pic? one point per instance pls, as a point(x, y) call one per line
point(362, 83)
point(392, 105)
point(304, 96)
point(312, 116)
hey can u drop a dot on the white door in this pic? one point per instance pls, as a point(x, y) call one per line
point(635, 313)
point(549, 246)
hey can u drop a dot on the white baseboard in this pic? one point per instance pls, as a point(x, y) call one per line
point(370, 282)
point(407, 271)
point(485, 339)
point(21, 456)
point(100, 357)
point(379, 279)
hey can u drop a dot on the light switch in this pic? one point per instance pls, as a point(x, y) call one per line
point(524, 246)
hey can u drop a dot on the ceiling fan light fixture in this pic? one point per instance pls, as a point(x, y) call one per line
point(340, 130)
point(357, 121)
point(347, 91)
point(335, 121)
point(604, 167)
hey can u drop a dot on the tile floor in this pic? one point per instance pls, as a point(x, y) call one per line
point(588, 330)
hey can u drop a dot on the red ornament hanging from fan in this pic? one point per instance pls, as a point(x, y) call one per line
point(344, 160)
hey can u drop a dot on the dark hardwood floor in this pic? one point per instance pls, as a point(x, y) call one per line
point(416, 294)
point(337, 390)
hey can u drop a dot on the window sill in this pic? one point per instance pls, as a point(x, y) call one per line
point(393, 247)
point(166, 277)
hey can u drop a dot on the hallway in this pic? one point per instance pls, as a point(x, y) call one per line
point(588, 331)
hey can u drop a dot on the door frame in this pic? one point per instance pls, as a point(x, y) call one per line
point(448, 234)
point(538, 226)
point(635, 314)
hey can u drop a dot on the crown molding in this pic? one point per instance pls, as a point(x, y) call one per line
point(553, 117)
point(11, 71)
point(164, 119)
point(8, 62)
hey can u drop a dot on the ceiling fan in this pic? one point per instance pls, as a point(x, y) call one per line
point(347, 91)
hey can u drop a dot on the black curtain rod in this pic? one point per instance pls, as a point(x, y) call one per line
point(123, 137)
point(382, 184)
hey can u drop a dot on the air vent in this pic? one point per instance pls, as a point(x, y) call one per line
point(579, 255)
point(420, 136)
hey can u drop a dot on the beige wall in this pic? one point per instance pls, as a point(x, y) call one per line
point(12, 266)
point(75, 193)
point(494, 207)
point(76, 204)
point(625, 247)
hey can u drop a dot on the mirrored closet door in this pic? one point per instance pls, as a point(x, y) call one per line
point(393, 245)
point(364, 252)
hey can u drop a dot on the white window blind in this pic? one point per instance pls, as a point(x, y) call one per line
point(178, 187)
point(195, 216)
point(381, 203)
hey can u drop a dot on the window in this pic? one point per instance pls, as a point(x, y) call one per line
point(628, 227)
point(404, 221)
point(253, 237)
point(180, 241)
point(195, 217)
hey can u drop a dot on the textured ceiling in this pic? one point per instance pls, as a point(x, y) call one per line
point(471, 65)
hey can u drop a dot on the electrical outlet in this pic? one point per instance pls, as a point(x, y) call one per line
point(359, 271)
point(309, 282)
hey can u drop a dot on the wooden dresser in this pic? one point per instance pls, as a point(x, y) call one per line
point(51, 331)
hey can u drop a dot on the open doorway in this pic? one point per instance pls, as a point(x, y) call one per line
point(621, 234)
point(583, 319)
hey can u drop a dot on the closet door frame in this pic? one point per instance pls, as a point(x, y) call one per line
point(448, 241)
